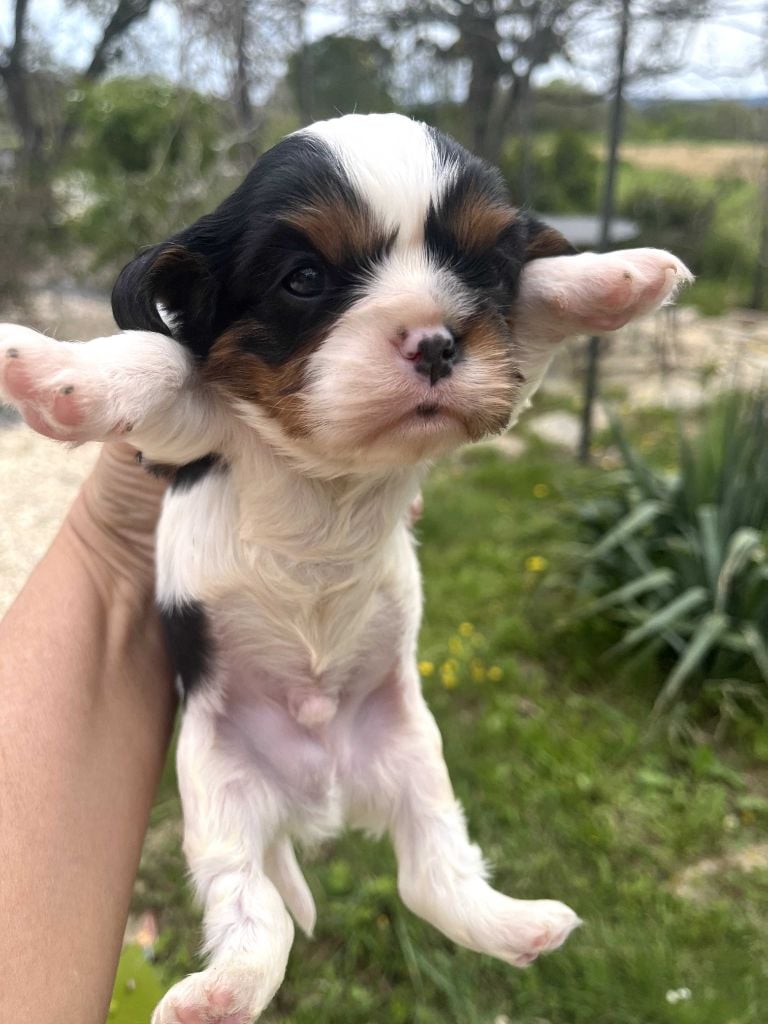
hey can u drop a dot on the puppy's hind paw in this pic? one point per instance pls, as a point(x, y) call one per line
point(518, 931)
point(541, 927)
point(230, 994)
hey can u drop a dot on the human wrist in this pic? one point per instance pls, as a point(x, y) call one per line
point(110, 527)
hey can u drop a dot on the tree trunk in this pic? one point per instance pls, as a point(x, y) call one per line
point(248, 148)
point(616, 118)
point(15, 78)
point(761, 262)
point(16, 82)
point(525, 103)
point(305, 71)
point(479, 38)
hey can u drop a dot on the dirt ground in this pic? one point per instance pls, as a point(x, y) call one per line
point(675, 358)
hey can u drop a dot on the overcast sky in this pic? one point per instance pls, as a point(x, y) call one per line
point(722, 58)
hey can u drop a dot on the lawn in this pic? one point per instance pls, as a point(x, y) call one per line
point(569, 794)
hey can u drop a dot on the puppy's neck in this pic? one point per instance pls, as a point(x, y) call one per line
point(308, 518)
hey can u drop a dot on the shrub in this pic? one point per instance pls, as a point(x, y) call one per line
point(146, 158)
point(679, 560)
point(564, 173)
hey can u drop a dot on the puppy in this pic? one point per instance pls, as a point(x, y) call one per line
point(365, 301)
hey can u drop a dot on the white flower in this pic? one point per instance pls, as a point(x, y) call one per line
point(678, 995)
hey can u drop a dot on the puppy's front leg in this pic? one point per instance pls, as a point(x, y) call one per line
point(138, 386)
point(232, 817)
point(398, 776)
point(563, 296)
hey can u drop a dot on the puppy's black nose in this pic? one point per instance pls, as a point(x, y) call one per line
point(436, 355)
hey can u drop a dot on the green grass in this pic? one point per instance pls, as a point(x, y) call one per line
point(564, 788)
point(138, 988)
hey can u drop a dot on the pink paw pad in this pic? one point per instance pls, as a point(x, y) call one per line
point(643, 280)
point(219, 1009)
point(47, 408)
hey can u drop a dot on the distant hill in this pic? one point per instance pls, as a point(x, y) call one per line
point(705, 120)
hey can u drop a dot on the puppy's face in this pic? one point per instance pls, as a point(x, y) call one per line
point(354, 296)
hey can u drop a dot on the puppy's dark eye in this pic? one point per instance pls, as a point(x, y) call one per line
point(306, 282)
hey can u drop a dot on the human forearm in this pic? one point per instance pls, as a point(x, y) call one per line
point(85, 716)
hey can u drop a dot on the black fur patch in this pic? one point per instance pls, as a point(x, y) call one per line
point(229, 267)
point(182, 477)
point(188, 641)
point(187, 476)
point(474, 230)
point(477, 233)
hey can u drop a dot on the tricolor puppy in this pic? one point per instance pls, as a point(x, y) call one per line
point(366, 300)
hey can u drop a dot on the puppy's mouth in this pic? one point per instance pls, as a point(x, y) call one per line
point(427, 410)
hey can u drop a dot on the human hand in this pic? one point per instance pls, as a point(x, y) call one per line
point(113, 521)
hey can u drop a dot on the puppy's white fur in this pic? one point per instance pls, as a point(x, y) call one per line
point(312, 715)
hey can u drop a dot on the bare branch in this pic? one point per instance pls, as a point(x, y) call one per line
point(124, 16)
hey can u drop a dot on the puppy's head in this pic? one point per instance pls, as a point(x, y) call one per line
point(354, 296)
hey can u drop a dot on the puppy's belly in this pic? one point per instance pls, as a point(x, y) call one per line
point(308, 765)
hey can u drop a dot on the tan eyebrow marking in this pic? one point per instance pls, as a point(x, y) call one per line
point(338, 230)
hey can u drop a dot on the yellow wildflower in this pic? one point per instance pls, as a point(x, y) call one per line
point(448, 679)
point(536, 563)
point(426, 668)
point(466, 629)
point(495, 673)
point(478, 673)
point(540, 490)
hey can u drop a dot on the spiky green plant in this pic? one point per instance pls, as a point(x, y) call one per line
point(680, 561)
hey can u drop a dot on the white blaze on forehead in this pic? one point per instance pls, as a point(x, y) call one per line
point(394, 164)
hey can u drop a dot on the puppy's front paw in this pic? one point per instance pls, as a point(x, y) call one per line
point(630, 284)
point(597, 291)
point(620, 286)
point(54, 388)
point(221, 995)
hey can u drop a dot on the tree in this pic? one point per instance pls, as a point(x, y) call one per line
point(660, 16)
point(501, 44)
point(253, 40)
point(340, 74)
point(615, 126)
point(40, 141)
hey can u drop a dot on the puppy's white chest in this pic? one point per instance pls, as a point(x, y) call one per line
point(310, 657)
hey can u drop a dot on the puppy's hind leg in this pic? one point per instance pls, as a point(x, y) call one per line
point(231, 819)
point(398, 776)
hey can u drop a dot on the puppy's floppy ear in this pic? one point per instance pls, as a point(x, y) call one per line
point(179, 279)
point(542, 240)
